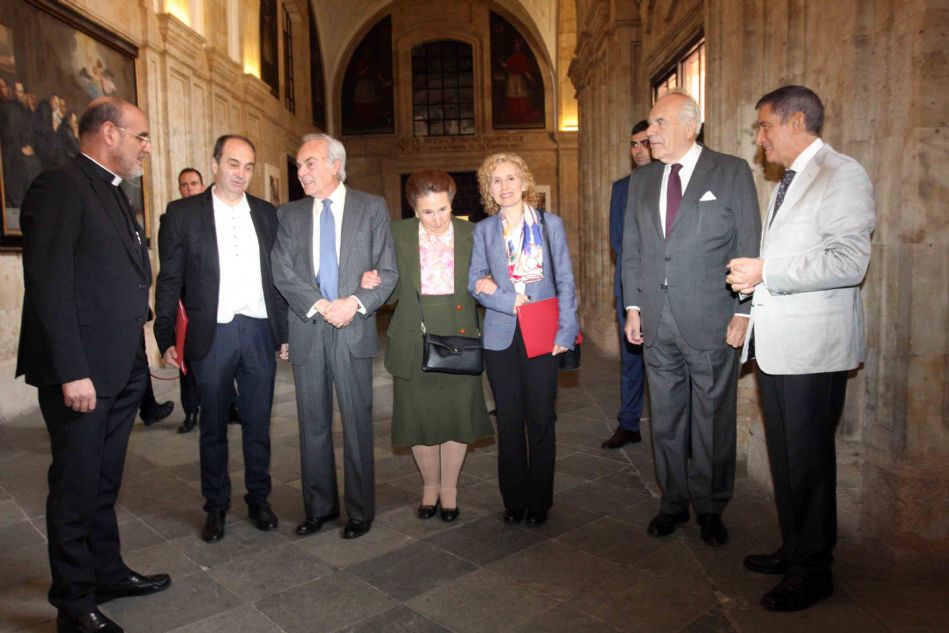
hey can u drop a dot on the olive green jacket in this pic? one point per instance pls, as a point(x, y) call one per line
point(404, 349)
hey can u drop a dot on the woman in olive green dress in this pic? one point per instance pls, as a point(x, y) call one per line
point(436, 414)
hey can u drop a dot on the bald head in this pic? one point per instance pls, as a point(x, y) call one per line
point(115, 134)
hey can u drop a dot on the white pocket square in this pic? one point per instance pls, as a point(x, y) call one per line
point(707, 196)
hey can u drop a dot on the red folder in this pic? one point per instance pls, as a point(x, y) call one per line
point(539, 321)
point(181, 330)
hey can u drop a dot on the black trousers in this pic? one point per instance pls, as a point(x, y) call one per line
point(88, 458)
point(801, 413)
point(243, 350)
point(189, 390)
point(525, 390)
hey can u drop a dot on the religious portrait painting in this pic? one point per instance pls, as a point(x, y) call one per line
point(368, 100)
point(517, 88)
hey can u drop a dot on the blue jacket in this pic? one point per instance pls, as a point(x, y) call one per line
point(617, 213)
point(488, 258)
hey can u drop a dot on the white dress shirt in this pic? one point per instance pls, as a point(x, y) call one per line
point(337, 205)
point(241, 287)
point(688, 162)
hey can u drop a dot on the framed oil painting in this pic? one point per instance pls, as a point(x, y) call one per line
point(368, 100)
point(53, 62)
point(517, 88)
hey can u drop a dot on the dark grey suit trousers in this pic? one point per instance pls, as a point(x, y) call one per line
point(693, 402)
point(330, 363)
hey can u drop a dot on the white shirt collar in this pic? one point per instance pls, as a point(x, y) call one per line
point(337, 197)
point(690, 158)
point(116, 179)
point(218, 201)
point(805, 157)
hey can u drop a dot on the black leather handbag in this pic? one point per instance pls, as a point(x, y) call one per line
point(569, 360)
point(450, 354)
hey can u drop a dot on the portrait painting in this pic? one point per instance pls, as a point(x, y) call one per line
point(368, 100)
point(272, 184)
point(517, 87)
point(53, 62)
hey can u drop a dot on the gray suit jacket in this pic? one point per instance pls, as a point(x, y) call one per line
point(488, 258)
point(807, 315)
point(366, 244)
point(706, 234)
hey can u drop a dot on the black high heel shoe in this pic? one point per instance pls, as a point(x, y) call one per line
point(427, 512)
point(449, 514)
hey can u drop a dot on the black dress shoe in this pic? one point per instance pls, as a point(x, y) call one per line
point(426, 512)
point(190, 421)
point(621, 437)
point(664, 524)
point(158, 413)
point(134, 585)
point(536, 519)
point(795, 593)
point(263, 516)
point(213, 530)
point(713, 530)
point(356, 528)
point(513, 516)
point(91, 622)
point(311, 525)
point(772, 564)
point(235, 415)
point(449, 514)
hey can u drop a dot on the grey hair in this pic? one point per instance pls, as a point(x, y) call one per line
point(690, 108)
point(335, 151)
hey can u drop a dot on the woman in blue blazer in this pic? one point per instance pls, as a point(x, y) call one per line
point(510, 267)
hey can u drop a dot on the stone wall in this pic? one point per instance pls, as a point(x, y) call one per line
point(880, 68)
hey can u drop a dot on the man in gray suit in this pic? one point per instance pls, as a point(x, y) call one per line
point(325, 243)
point(806, 332)
point(687, 215)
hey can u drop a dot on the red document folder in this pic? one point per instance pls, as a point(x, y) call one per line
point(539, 321)
point(181, 330)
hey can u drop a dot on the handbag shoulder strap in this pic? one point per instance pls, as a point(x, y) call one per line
point(548, 252)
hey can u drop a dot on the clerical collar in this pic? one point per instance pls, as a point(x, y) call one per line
point(115, 181)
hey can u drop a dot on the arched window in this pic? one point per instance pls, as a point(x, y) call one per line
point(443, 89)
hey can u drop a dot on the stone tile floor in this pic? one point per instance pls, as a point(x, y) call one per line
point(591, 569)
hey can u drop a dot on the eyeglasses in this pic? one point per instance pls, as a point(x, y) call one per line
point(644, 143)
point(144, 140)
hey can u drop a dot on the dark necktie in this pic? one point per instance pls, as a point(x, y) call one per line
point(782, 191)
point(328, 277)
point(673, 197)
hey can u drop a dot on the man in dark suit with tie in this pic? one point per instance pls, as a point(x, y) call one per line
point(807, 332)
point(215, 256)
point(631, 356)
point(325, 243)
point(87, 273)
point(688, 215)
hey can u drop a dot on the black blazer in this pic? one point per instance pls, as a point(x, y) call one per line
point(86, 281)
point(190, 269)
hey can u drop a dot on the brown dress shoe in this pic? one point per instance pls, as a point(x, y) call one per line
point(621, 437)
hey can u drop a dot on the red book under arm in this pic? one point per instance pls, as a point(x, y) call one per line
point(181, 331)
point(539, 322)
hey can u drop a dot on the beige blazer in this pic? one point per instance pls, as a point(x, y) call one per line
point(807, 315)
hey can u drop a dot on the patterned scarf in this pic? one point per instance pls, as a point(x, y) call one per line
point(524, 248)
